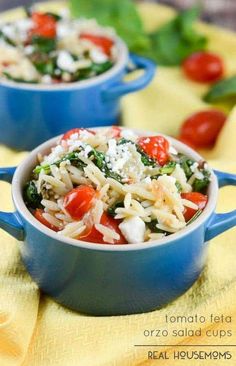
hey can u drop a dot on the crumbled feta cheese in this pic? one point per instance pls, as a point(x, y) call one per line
point(173, 151)
point(29, 49)
point(133, 229)
point(9, 31)
point(46, 79)
point(98, 56)
point(128, 135)
point(65, 61)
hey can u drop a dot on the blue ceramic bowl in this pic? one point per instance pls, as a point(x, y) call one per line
point(31, 114)
point(102, 279)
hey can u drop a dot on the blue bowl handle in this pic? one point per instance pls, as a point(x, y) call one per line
point(121, 88)
point(10, 221)
point(221, 222)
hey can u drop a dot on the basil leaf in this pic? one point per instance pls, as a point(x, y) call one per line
point(177, 39)
point(121, 15)
point(221, 90)
point(31, 196)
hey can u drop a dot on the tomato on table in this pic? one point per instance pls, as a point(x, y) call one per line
point(94, 236)
point(44, 25)
point(38, 214)
point(202, 128)
point(78, 201)
point(103, 42)
point(203, 67)
point(156, 147)
point(198, 198)
point(68, 134)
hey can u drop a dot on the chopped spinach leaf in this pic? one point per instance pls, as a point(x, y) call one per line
point(99, 161)
point(178, 186)
point(200, 185)
point(168, 168)
point(111, 210)
point(31, 196)
point(19, 80)
point(56, 17)
point(43, 44)
point(152, 225)
point(7, 39)
point(185, 164)
point(146, 160)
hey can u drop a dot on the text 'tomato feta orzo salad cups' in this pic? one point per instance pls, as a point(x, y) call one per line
point(116, 188)
point(57, 73)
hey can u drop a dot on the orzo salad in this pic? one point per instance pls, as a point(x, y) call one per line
point(112, 186)
point(52, 48)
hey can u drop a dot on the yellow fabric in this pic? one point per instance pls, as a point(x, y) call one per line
point(35, 331)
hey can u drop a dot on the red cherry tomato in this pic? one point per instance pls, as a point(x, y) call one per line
point(198, 198)
point(44, 25)
point(95, 236)
point(156, 147)
point(203, 67)
point(115, 131)
point(202, 128)
point(103, 42)
point(68, 134)
point(38, 214)
point(78, 201)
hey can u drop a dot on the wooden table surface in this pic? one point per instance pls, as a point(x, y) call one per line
point(221, 12)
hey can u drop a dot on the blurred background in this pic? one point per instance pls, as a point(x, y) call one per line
point(221, 12)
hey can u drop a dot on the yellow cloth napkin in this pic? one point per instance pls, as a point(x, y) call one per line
point(35, 331)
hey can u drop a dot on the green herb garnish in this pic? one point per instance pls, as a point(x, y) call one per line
point(19, 80)
point(200, 185)
point(111, 210)
point(186, 164)
point(43, 44)
point(31, 196)
point(168, 168)
point(152, 225)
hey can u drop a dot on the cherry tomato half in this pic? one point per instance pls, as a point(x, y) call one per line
point(202, 128)
point(68, 134)
point(198, 198)
point(94, 236)
point(38, 214)
point(156, 147)
point(44, 25)
point(78, 201)
point(115, 130)
point(103, 42)
point(203, 67)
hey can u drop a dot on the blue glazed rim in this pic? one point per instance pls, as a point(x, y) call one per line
point(28, 164)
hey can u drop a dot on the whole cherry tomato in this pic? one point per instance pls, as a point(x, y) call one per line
point(203, 67)
point(103, 42)
point(202, 128)
point(44, 25)
point(78, 201)
point(95, 236)
point(156, 147)
point(68, 134)
point(38, 214)
point(198, 198)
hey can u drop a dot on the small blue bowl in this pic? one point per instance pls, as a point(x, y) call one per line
point(102, 279)
point(33, 113)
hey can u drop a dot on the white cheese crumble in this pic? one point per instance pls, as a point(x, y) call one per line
point(65, 61)
point(98, 56)
point(133, 229)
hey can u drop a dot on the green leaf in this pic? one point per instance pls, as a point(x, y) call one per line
point(121, 15)
point(222, 90)
point(168, 168)
point(177, 39)
point(200, 185)
point(44, 44)
point(19, 80)
point(31, 196)
point(7, 39)
point(111, 210)
point(185, 164)
point(152, 225)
